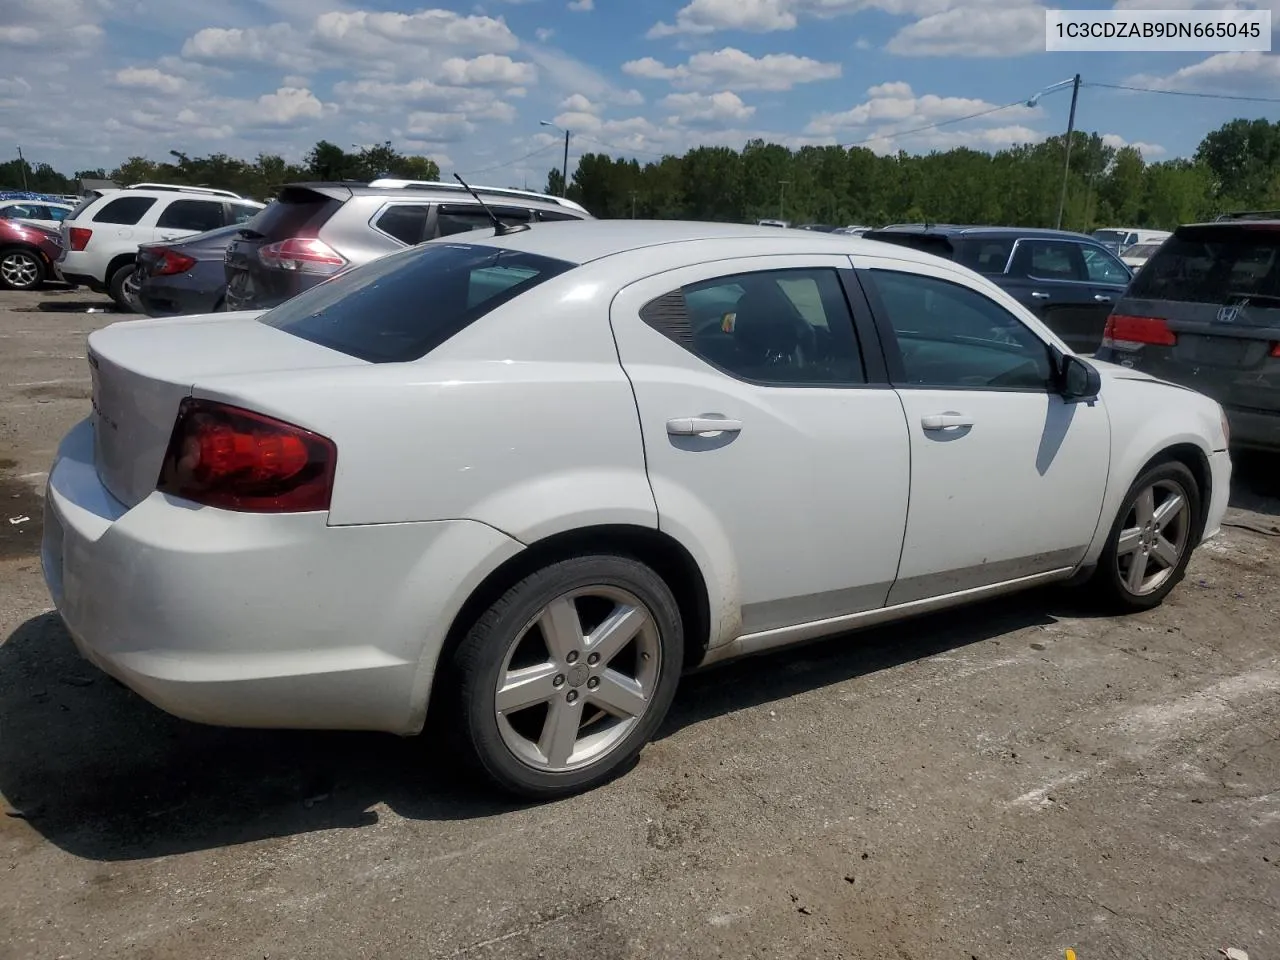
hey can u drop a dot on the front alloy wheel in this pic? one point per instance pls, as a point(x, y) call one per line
point(20, 270)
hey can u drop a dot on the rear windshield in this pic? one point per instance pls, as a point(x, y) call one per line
point(401, 307)
point(1112, 237)
point(1212, 265)
point(296, 213)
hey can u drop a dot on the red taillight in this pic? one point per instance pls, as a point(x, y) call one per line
point(235, 459)
point(171, 262)
point(1121, 328)
point(302, 255)
point(79, 237)
point(1275, 349)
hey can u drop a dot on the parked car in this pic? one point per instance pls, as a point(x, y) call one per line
point(28, 255)
point(784, 224)
point(101, 236)
point(1069, 280)
point(41, 213)
point(1119, 239)
point(316, 230)
point(181, 277)
point(1205, 312)
point(819, 227)
point(853, 230)
point(530, 479)
point(1138, 254)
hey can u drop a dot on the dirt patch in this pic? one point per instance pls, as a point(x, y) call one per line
point(58, 391)
point(19, 537)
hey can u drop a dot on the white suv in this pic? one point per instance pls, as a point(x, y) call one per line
point(100, 238)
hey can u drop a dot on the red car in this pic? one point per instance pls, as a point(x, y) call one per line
point(27, 255)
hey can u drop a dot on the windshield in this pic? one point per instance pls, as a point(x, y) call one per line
point(401, 307)
point(1212, 265)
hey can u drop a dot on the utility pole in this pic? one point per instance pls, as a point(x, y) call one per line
point(564, 181)
point(633, 204)
point(782, 199)
point(22, 165)
point(1066, 161)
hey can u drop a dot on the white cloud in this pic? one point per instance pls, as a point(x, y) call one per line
point(582, 6)
point(544, 34)
point(149, 78)
point(440, 127)
point(577, 103)
point(891, 108)
point(1244, 73)
point(488, 68)
point(64, 26)
point(276, 43)
point(730, 67)
point(702, 108)
point(566, 74)
point(577, 121)
point(973, 31)
point(1149, 151)
point(701, 17)
point(286, 107)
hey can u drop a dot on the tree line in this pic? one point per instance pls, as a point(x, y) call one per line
point(1234, 167)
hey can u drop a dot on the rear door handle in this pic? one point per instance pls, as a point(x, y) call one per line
point(945, 421)
point(1036, 294)
point(1102, 298)
point(693, 426)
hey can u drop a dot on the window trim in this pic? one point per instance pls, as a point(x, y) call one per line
point(893, 352)
point(428, 225)
point(864, 334)
point(1079, 243)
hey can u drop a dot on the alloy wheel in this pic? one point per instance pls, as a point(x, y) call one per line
point(1154, 537)
point(19, 270)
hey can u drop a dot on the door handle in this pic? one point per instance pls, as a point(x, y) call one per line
point(1102, 298)
point(945, 421)
point(1036, 294)
point(693, 426)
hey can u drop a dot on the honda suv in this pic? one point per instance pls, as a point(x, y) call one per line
point(100, 237)
point(1204, 312)
point(316, 230)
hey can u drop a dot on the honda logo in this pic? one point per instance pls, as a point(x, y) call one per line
point(1231, 313)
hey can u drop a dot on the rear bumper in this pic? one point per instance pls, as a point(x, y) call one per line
point(82, 280)
point(256, 620)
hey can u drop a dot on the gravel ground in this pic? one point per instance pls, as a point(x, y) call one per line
point(1009, 781)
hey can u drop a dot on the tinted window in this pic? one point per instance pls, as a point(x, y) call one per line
point(1211, 265)
point(951, 336)
point(552, 215)
point(1050, 260)
point(929, 243)
point(243, 213)
point(197, 215)
point(777, 327)
point(298, 212)
point(453, 219)
point(1102, 267)
point(124, 210)
point(58, 213)
point(405, 222)
point(20, 211)
point(986, 256)
point(400, 307)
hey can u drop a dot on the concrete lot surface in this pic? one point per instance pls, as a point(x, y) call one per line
point(1006, 782)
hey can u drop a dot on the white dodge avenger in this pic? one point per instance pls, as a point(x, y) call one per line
point(537, 474)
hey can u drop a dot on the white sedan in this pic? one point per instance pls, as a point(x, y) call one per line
point(533, 478)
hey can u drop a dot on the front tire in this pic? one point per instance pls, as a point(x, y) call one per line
point(566, 677)
point(20, 269)
point(1151, 540)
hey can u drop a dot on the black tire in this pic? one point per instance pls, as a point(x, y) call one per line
point(1107, 583)
point(32, 269)
point(115, 287)
point(480, 659)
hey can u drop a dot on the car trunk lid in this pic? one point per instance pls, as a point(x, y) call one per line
point(142, 370)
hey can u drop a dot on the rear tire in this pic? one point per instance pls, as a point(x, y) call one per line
point(1151, 540)
point(115, 287)
point(564, 679)
point(21, 269)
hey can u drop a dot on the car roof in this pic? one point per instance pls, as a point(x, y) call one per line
point(585, 240)
point(967, 230)
point(343, 190)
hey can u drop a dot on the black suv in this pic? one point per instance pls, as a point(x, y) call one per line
point(1070, 281)
point(1204, 312)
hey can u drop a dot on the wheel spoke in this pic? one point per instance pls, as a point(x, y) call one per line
point(1145, 506)
point(619, 694)
point(1165, 513)
point(524, 687)
point(1130, 541)
point(1137, 572)
point(561, 628)
point(618, 629)
point(560, 731)
point(1165, 552)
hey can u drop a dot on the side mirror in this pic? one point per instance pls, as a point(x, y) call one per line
point(1079, 381)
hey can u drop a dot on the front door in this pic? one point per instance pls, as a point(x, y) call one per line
point(1007, 479)
point(1048, 277)
point(763, 435)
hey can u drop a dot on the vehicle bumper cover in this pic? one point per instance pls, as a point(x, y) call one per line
point(256, 620)
point(1220, 478)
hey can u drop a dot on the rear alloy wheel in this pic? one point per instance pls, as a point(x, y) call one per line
point(131, 291)
point(116, 287)
point(20, 269)
point(1152, 538)
point(569, 674)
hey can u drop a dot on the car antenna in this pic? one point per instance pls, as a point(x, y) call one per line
point(500, 229)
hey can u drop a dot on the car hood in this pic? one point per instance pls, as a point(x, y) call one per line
point(1114, 371)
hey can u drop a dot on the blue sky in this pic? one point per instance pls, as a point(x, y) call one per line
point(86, 83)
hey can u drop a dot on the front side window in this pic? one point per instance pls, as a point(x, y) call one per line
point(196, 215)
point(952, 336)
point(125, 211)
point(1102, 267)
point(1049, 260)
point(400, 307)
point(777, 327)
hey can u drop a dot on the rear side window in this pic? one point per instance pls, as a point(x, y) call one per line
point(1212, 265)
point(986, 255)
point(404, 221)
point(242, 212)
point(552, 216)
point(1049, 260)
point(297, 212)
point(453, 219)
point(124, 210)
point(197, 215)
point(401, 307)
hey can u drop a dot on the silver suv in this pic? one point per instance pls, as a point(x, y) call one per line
point(316, 230)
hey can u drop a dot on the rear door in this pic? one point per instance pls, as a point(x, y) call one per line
point(1048, 277)
point(1108, 278)
point(1205, 312)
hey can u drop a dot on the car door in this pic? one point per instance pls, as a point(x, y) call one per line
point(1048, 277)
point(1108, 278)
point(767, 433)
point(186, 217)
point(1007, 478)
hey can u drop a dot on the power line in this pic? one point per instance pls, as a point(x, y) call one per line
point(933, 126)
point(617, 149)
point(532, 153)
point(1184, 93)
